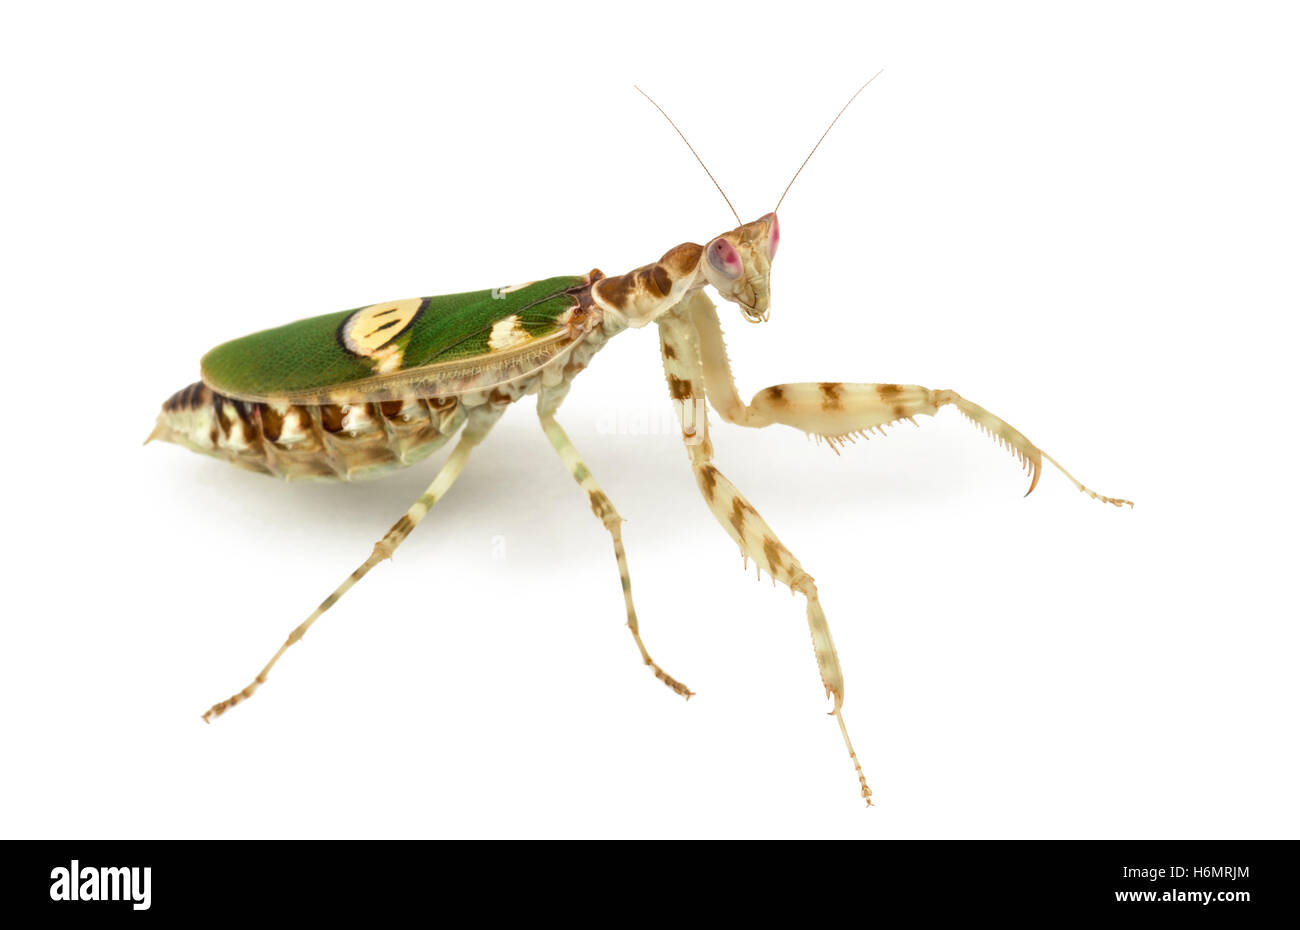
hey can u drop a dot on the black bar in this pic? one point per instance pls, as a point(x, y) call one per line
point(304, 880)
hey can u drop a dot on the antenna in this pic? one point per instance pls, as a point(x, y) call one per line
point(819, 141)
point(739, 221)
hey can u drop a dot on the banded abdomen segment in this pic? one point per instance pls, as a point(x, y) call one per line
point(324, 441)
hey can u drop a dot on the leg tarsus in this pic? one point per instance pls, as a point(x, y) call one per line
point(677, 686)
point(857, 766)
point(1117, 501)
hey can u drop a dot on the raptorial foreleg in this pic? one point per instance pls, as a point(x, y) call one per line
point(838, 412)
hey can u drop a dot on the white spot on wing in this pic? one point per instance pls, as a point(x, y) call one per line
point(506, 334)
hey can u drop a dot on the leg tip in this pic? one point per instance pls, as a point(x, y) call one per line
point(216, 710)
point(1115, 501)
point(672, 682)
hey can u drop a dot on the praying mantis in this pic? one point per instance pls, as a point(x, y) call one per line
point(366, 391)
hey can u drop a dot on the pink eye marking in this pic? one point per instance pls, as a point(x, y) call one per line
point(773, 236)
point(725, 259)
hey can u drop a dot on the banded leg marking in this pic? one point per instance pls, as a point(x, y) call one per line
point(604, 510)
point(451, 469)
point(839, 413)
point(684, 371)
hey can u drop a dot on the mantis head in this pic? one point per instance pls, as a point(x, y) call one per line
point(737, 264)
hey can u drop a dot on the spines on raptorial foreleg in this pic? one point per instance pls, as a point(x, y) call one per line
point(1019, 445)
point(838, 412)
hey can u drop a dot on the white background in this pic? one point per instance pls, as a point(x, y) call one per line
point(1082, 217)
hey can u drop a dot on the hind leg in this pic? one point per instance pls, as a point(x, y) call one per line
point(475, 429)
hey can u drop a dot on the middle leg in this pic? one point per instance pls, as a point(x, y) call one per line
point(547, 403)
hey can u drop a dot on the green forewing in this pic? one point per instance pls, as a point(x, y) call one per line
point(311, 354)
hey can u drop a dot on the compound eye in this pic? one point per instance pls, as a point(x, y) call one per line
point(724, 259)
point(773, 236)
